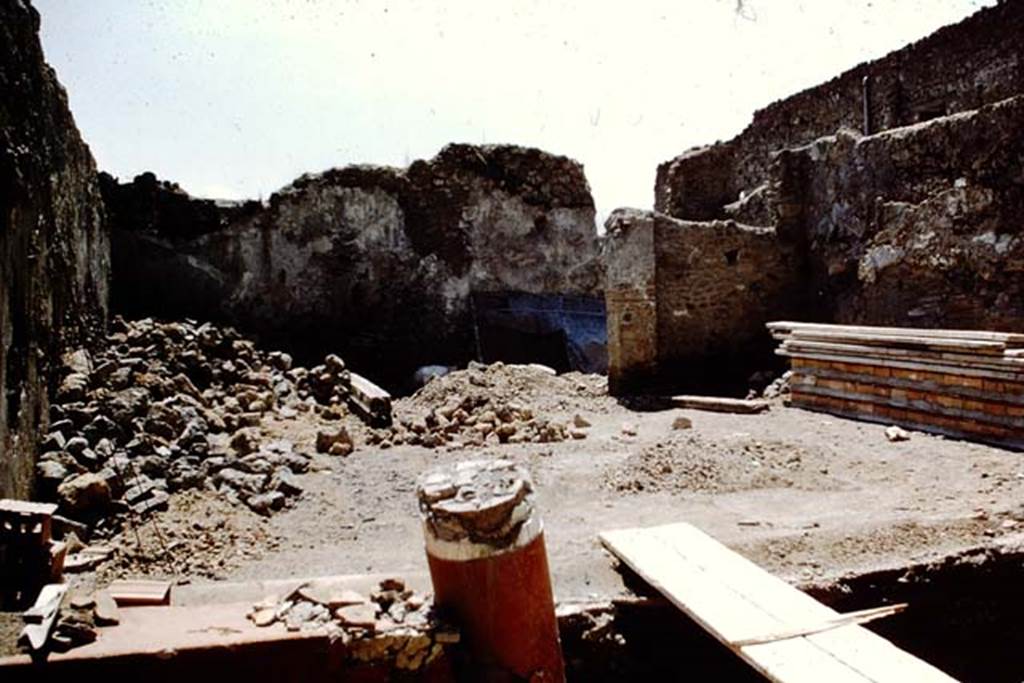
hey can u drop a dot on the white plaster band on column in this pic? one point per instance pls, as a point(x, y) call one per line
point(465, 550)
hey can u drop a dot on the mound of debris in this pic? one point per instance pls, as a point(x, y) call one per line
point(490, 404)
point(170, 406)
point(392, 621)
point(690, 463)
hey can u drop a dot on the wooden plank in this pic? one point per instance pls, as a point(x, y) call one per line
point(925, 343)
point(368, 399)
point(719, 404)
point(859, 617)
point(735, 600)
point(1003, 362)
point(885, 663)
point(697, 594)
point(40, 618)
point(1008, 338)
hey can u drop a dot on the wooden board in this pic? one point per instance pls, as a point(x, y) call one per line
point(735, 600)
point(1003, 362)
point(719, 404)
point(906, 342)
point(372, 402)
point(1008, 338)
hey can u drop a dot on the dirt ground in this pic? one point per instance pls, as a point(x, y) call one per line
point(807, 495)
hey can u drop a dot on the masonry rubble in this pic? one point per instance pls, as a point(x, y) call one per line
point(165, 407)
point(483, 404)
point(392, 622)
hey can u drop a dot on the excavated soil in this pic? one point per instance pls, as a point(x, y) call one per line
point(693, 463)
point(809, 496)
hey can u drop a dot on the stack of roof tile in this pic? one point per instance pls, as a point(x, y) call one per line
point(963, 383)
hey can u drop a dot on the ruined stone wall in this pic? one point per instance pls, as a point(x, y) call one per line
point(918, 226)
point(54, 251)
point(378, 264)
point(718, 283)
point(631, 300)
point(960, 67)
point(687, 301)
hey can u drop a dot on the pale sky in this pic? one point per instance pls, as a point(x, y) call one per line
point(235, 98)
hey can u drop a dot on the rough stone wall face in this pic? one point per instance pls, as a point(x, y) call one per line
point(377, 263)
point(687, 301)
point(631, 300)
point(54, 250)
point(718, 283)
point(917, 224)
point(965, 66)
point(920, 225)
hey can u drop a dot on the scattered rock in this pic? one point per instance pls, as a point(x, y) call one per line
point(682, 422)
point(156, 403)
point(246, 440)
point(105, 612)
point(86, 495)
point(264, 503)
point(335, 441)
point(895, 433)
point(362, 615)
point(264, 616)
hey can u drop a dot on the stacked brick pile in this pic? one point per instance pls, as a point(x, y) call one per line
point(962, 383)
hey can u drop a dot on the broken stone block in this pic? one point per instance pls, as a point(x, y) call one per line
point(363, 615)
point(334, 441)
point(265, 503)
point(105, 611)
point(264, 616)
point(246, 440)
point(157, 500)
point(241, 481)
point(85, 495)
point(682, 422)
point(73, 388)
point(54, 441)
point(895, 433)
point(286, 482)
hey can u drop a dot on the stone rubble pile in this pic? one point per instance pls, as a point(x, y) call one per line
point(482, 405)
point(171, 406)
point(392, 621)
point(779, 387)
